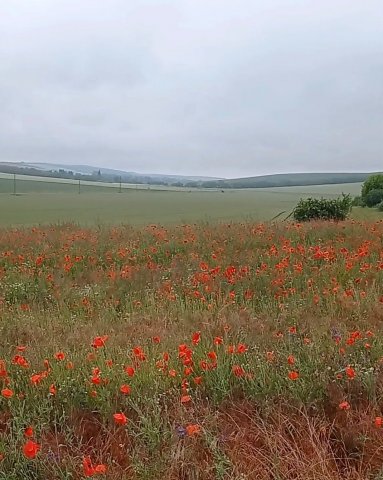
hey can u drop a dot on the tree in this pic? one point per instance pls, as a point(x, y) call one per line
point(374, 182)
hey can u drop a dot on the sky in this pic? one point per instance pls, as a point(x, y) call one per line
point(224, 88)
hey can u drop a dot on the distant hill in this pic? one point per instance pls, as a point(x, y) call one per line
point(288, 179)
point(89, 170)
point(91, 173)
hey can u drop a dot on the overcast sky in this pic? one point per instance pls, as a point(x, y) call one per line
point(203, 87)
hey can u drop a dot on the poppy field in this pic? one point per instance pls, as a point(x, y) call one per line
point(200, 351)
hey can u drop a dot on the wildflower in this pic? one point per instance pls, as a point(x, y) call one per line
point(31, 449)
point(7, 393)
point(52, 390)
point(99, 342)
point(291, 360)
point(139, 354)
point(241, 348)
point(120, 419)
point(156, 340)
point(378, 422)
point(89, 470)
point(125, 389)
point(28, 432)
point(344, 406)
point(172, 373)
point(185, 399)
point(20, 360)
point(293, 375)
point(212, 355)
point(109, 363)
point(238, 371)
point(196, 338)
point(350, 372)
point(218, 341)
point(60, 356)
point(130, 371)
point(193, 429)
point(197, 380)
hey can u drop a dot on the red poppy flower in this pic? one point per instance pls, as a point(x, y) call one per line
point(120, 419)
point(7, 393)
point(31, 449)
point(130, 371)
point(293, 375)
point(344, 406)
point(196, 338)
point(241, 348)
point(350, 372)
point(238, 371)
point(291, 360)
point(99, 342)
point(125, 389)
point(193, 429)
point(28, 432)
point(89, 470)
point(60, 356)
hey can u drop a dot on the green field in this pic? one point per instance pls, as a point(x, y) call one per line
point(48, 201)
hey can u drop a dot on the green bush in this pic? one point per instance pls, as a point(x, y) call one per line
point(358, 202)
point(375, 182)
point(323, 209)
point(380, 207)
point(373, 197)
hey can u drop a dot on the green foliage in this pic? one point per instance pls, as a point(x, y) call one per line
point(375, 182)
point(323, 209)
point(380, 207)
point(358, 201)
point(373, 197)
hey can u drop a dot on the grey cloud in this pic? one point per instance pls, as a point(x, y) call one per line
point(191, 86)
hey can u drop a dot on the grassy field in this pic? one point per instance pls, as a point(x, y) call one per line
point(224, 351)
point(40, 202)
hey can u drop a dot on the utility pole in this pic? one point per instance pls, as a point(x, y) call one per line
point(119, 191)
point(79, 187)
point(14, 184)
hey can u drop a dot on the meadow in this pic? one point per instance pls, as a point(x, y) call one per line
point(231, 351)
point(42, 201)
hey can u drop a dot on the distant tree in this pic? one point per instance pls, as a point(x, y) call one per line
point(374, 182)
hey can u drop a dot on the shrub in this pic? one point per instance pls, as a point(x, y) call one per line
point(380, 207)
point(323, 209)
point(373, 197)
point(358, 202)
point(375, 182)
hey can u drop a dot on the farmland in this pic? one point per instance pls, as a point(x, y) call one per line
point(45, 202)
point(212, 351)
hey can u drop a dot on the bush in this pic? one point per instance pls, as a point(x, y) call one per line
point(375, 182)
point(373, 197)
point(380, 207)
point(358, 202)
point(323, 209)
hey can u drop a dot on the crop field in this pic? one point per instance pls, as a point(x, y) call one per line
point(46, 202)
point(212, 351)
